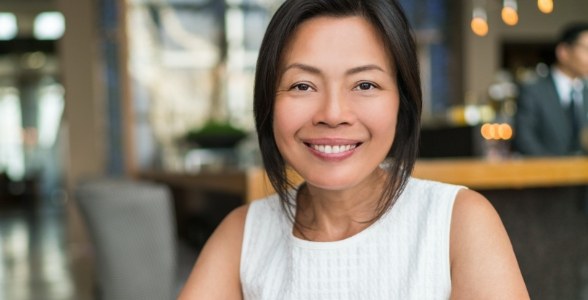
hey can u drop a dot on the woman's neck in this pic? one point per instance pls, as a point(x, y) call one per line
point(331, 215)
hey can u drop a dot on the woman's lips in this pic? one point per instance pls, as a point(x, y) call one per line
point(332, 149)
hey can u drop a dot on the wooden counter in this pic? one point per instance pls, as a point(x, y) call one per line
point(515, 173)
point(474, 173)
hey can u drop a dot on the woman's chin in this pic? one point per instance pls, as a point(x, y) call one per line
point(340, 182)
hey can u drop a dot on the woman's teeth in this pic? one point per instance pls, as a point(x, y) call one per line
point(333, 149)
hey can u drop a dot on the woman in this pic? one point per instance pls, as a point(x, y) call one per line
point(337, 92)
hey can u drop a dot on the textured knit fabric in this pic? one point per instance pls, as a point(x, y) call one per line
point(404, 255)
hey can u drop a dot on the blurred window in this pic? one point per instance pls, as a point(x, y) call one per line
point(49, 26)
point(11, 149)
point(8, 26)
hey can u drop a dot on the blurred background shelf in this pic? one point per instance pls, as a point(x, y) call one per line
point(520, 173)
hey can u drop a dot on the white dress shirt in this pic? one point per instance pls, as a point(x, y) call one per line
point(564, 86)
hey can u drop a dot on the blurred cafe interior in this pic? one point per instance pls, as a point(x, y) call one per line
point(127, 126)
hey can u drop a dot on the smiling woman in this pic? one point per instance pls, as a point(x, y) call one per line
point(337, 99)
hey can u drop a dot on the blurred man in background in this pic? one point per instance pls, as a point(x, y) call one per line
point(553, 110)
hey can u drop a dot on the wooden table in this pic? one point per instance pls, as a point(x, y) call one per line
point(475, 173)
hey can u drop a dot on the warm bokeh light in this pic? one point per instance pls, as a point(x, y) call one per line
point(479, 26)
point(505, 131)
point(496, 131)
point(485, 131)
point(545, 6)
point(510, 16)
point(479, 22)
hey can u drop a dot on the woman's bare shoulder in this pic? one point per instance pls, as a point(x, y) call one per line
point(234, 222)
point(216, 272)
point(483, 263)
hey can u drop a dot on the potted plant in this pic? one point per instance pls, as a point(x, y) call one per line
point(215, 134)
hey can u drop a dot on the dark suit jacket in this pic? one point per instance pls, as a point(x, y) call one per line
point(542, 125)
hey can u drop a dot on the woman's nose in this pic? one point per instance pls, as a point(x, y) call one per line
point(334, 110)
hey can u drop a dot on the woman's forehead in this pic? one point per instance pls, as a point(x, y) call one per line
point(350, 40)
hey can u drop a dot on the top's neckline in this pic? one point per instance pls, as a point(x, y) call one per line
point(354, 239)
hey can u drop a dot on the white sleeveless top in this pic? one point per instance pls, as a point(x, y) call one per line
point(404, 255)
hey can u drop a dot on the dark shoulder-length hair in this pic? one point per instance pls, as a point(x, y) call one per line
point(390, 22)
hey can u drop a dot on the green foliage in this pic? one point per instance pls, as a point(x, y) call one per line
point(216, 134)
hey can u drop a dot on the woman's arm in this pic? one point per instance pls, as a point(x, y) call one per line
point(483, 263)
point(216, 273)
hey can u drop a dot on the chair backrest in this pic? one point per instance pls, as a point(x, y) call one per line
point(132, 226)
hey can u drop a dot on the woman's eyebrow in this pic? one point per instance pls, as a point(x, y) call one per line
point(302, 67)
point(363, 69)
point(351, 71)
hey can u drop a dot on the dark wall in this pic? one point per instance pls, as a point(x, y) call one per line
point(548, 228)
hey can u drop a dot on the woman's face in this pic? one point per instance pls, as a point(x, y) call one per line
point(336, 103)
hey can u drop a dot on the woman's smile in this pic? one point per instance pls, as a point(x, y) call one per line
point(332, 149)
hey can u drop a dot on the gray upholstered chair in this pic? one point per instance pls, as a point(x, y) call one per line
point(133, 229)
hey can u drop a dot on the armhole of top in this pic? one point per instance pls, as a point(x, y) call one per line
point(249, 216)
point(451, 206)
point(453, 199)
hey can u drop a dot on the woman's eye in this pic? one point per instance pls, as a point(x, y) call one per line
point(364, 86)
point(301, 87)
